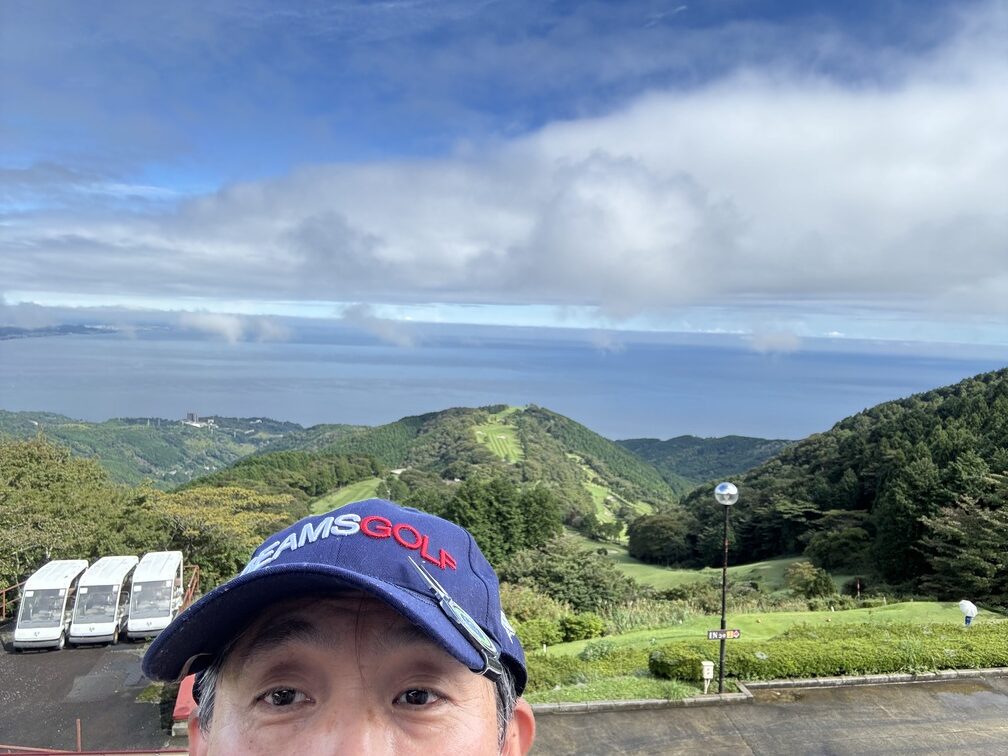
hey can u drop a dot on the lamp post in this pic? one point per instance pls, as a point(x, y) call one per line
point(726, 495)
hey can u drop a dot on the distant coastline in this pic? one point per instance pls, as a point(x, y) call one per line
point(13, 332)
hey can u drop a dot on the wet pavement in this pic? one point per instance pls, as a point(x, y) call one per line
point(43, 693)
point(916, 718)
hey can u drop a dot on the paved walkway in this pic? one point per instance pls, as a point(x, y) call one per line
point(917, 718)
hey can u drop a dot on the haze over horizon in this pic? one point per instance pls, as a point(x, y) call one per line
point(798, 178)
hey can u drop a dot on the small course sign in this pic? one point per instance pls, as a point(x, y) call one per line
point(723, 634)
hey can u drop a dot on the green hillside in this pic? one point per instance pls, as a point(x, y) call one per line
point(362, 489)
point(914, 491)
point(167, 452)
point(598, 482)
point(315, 437)
point(697, 460)
point(302, 475)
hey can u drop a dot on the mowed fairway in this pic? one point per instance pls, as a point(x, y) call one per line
point(501, 440)
point(765, 625)
point(770, 574)
point(362, 489)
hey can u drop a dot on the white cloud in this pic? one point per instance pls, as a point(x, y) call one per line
point(396, 332)
point(774, 342)
point(266, 329)
point(231, 328)
point(607, 341)
point(234, 328)
point(765, 187)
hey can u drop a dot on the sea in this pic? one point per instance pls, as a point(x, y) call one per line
point(622, 385)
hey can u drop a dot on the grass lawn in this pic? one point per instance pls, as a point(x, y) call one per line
point(627, 687)
point(362, 489)
point(762, 626)
point(601, 497)
point(769, 574)
point(500, 438)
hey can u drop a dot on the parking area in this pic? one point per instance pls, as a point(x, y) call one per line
point(917, 718)
point(43, 693)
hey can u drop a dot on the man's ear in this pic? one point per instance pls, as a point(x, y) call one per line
point(521, 730)
point(197, 741)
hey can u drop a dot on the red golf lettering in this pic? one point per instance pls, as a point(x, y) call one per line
point(376, 526)
point(426, 554)
point(446, 560)
point(397, 534)
point(382, 529)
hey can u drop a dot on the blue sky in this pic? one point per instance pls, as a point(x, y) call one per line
point(785, 171)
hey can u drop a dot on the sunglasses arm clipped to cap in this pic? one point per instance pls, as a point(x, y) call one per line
point(492, 667)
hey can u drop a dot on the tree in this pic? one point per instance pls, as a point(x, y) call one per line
point(52, 506)
point(218, 528)
point(843, 548)
point(664, 539)
point(910, 494)
point(541, 512)
point(570, 574)
point(804, 579)
point(967, 545)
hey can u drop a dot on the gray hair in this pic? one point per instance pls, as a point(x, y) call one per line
point(206, 694)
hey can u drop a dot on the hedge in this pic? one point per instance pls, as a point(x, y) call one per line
point(806, 651)
point(547, 671)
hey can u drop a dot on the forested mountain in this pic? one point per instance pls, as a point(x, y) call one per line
point(695, 460)
point(314, 438)
point(914, 491)
point(166, 452)
point(302, 475)
point(426, 441)
point(599, 484)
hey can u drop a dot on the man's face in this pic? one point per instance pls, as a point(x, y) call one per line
point(349, 675)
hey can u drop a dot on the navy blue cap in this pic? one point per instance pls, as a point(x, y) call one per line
point(428, 569)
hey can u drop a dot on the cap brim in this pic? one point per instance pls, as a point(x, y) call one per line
point(195, 638)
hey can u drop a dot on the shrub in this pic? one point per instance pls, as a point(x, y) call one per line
point(807, 580)
point(872, 602)
point(838, 603)
point(643, 614)
point(855, 586)
point(582, 626)
point(521, 604)
point(679, 662)
point(570, 574)
point(617, 661)
point(602, 649)
point(546, 672)
point(537, 633)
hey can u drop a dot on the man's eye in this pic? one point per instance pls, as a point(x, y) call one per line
point(417, 697)
point(283, 697)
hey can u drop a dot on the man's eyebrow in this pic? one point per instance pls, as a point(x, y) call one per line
point(282, 631)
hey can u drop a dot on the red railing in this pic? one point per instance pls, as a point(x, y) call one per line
point(192, 587)
point(4, 601)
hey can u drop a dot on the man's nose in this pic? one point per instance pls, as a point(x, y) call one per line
point(353, 729)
